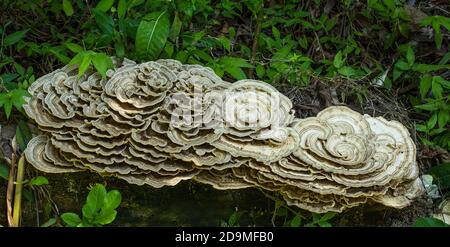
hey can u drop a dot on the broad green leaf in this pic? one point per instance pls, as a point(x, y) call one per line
point(106, 216)
point(443, 118)
point(84, 65)
point(436, 88)
point(425, 85)
point(14, 37)
point(437, 34)
point(39, 180)
point(410, 56)
point(401, 64)
point(338, 62)
point(442, 81)
point(176, 27)
point(78, 58)
point(431, 106)
point(23, 135)
point(8, 108)
point(324, 224)
point(346, 71)
point(296, 221)
point(276, 33)
point(102, 63)
point(425, 68)
point(67, 7)
point(112, 199)
point(151, 36)
point(260, 71)
point(432, 121)
point(202, 55)
point(104, 22)
point(236, 72)
point(104, 5)
point(95, 201)
point(74, 47)
point(49, 222)
point(226, 43)
point(122, 8)
point(441, 173)
point(4, 171)
point(327, 216)
point(235, 62)
point(429, 222)
point(71, 219)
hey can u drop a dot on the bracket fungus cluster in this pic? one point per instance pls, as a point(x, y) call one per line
point(161, 122)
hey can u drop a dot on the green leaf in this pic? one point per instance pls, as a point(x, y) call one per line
point(235, 62)
point(232, 220)
point(104, 22)
point(122, 8)
point(4, 171)
point(176, 27)
point(74, 47)
point(113, 199)
point(84, 65)
point(296, 221)
point(260, 71)
point(151, 36)
point(327, 216)
point(71, 219)
point(324, 224)
point(432, 121)
point(104, 5)
point(94, 202)
point(102, 63)
point(23, 135)
point(276, 33)
point(402, 65)
point(431, 106)
point(14, 37)
point(67, 7)
point(49, 222)
point(425, 68)
point(410, 56)
point(236, 72)
point(8, 108)
point(436, 88)
point(106, 216)
point(338, 62)
point(429, 222)
point(425, 85)
point(441, 173)
point(443, 118)
point(39, 180)
point(437, 34)
point(346, 71)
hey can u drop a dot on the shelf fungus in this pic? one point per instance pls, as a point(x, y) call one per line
point(161, 122)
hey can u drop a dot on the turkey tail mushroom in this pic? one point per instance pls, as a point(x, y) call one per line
point(161, 122)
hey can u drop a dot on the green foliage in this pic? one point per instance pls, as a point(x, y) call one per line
point(436, 22)
point(430, 222)
point(441, 173)
point(4, 171)
point(152, 35)
point(99, 209)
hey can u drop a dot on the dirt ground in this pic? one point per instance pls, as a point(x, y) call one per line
point(193, 204)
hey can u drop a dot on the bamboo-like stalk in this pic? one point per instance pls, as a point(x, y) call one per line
point(18, 192)
point(10, 190)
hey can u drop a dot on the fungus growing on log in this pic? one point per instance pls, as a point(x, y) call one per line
point(161, 122)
